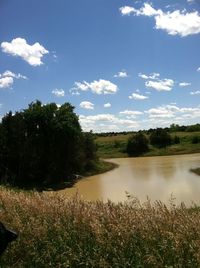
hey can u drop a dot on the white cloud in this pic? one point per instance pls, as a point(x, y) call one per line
point(174, 23)
point(151, 76)
point(6, 82)
point(74, 92)
point(184, 84)
point(195, 92)
point(30, 53)
point(106, 122)
point(161, 112)
point(107, 105)
point(131, 112)
point(99, 87)
point(160, 85)
point(82, 86)
point(87, 105)
point(198, 69)
point(121, 74)
point(7, 78)
point(161, 116)
point(173, 112)
point(58, 92)
point(127, 10)
point(136, 96)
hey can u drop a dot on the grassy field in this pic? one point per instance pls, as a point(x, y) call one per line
point(55, 232)
point(115, 146)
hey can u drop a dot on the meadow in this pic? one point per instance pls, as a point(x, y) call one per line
point(58, 232)
point(115, 146)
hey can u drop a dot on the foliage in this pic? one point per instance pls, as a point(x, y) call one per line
point(176, 140)
point(195, 139)
point(42, 145)
point(55, 232)
point(90, 150)
point(137, 144)
point(106, 145)
point(160, 138)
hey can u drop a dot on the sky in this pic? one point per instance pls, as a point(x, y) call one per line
point(124, 65)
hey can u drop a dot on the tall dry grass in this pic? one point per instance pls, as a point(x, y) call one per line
point(55, 232)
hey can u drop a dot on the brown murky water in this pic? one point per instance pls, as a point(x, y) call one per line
point(155, 177)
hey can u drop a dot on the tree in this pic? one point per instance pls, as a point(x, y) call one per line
point(90, 150)
point(137, 144)
point(160, 138)
point(43, 144)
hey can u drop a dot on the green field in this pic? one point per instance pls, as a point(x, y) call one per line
point(115, 146)
point(55, 232)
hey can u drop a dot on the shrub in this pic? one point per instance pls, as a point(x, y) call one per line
point(160, 138)
point(176, 140)
point(195, 139)
point(137, 144)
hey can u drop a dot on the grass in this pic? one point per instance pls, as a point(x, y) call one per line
point(100, 167)
point(115, 146)
point(55, 232)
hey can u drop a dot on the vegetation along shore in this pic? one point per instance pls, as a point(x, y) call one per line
point(59, 232)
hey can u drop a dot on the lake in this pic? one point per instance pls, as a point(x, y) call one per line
point(156, 177)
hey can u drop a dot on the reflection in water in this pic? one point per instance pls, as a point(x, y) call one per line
point(155, 177)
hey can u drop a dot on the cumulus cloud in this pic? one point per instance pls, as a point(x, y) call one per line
point(127, 10)
point(177, 22)
point(160, 85)
point(30, 53)
point(6, 82)
point(121, 74)
point(7, 78)
point(151, 76)
point(198, 69)
point(58, 92)
point(87, 105)
point(107, 105)
point(136, 96)
point(184, 84)
point(130, 113)
point(173, 112)
point(106, 122)
point(98, 87)
point(195, 92)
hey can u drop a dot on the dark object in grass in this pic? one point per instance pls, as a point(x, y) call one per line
point(195, 170)
point(6, 236)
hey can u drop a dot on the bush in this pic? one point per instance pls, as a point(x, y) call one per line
point(195, 139)
point(176, 140)
point(137, 144)
point(160, 138)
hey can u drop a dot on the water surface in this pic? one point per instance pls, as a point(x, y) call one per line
point(156, 177)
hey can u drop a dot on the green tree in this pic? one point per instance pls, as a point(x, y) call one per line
point(137, 144)
point(43, 144)
point(160, 138)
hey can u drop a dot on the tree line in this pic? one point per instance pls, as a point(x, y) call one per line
point(43, 145)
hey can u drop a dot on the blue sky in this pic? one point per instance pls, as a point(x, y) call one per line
point(124, 65)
